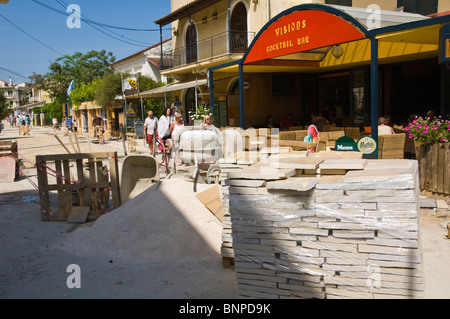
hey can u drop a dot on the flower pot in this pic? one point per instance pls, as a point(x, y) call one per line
point(434, 167)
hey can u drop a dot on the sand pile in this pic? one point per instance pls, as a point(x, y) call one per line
point(164, 223)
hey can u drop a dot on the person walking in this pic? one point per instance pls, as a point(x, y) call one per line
point(175, 127)
point(150, 127)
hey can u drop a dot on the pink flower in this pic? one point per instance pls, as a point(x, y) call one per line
point(410, 135)
point(448, 127)
point(407, 128)
point(425, 127)
point(418, 126)
point(434, 127)
point(425, 130)
point(415, 121)
point(443, 140)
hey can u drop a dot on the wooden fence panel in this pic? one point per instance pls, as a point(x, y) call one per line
point(434, 168)
point(447, 169)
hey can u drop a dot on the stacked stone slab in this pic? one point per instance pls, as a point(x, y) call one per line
point(233, 163)
point(327, 236)
point(226, 249)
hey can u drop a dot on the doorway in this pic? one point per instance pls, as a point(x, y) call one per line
point(190, 104)
point(238, 32)
point(334, 99)
point(84, 121)
point(191, 44)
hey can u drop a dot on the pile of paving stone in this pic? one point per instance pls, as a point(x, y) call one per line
point(317, 227)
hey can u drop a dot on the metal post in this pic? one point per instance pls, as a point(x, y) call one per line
point(374, 90)
point(161, 42)
point(241, 95)
point(196, 95)
point(211, 93)
point(229, 26)
point(125, 104)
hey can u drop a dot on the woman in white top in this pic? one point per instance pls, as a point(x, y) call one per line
point(176, 126)
point(164, 124)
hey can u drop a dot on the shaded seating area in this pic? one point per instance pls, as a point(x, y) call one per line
point(294, 139)
point(389, 146)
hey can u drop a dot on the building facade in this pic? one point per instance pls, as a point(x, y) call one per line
point(16, 94)
point(217, 34)
point(146, 62)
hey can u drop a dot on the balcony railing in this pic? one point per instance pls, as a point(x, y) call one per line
point(215, 46)
point(34, 99)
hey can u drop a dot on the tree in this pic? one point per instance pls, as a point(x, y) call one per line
point(82, 68)
point(4, 107)
point(111, 86)
point(84, 93)
point(155, 104)
point(107, 89)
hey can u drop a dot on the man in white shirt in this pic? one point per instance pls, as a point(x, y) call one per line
point(384, 129)
point(150, 126)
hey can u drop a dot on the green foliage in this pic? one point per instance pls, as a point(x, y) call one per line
point(4, 107)
point(84, 93)
point(200, 113)
point(52, 110)
point(106, 90)
point(82, 68)
point(429, 131)
point(157, 105)
point(147, 83)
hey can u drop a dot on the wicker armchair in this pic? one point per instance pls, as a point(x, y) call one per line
point(353, 132)
point(391, 146)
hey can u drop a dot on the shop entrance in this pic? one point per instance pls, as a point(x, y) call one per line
point(84, 121)
point(334, 99)
point(190, 105)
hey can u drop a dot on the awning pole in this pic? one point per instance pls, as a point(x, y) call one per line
point(374, 90)
point(241, 95)
point(125, 104)
point(229, 26)
point(161, 64)
point(211, 94)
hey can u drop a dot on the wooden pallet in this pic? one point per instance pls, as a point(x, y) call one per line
point(99, 183)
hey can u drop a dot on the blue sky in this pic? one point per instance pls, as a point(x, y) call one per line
point(24, 55)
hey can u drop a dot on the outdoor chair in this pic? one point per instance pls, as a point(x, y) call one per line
point(327, 127)
point(391, 146)
point(353, 132)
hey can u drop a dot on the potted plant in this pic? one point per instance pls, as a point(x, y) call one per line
point(429, 131)
point(200, 113)
point(431, 138)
